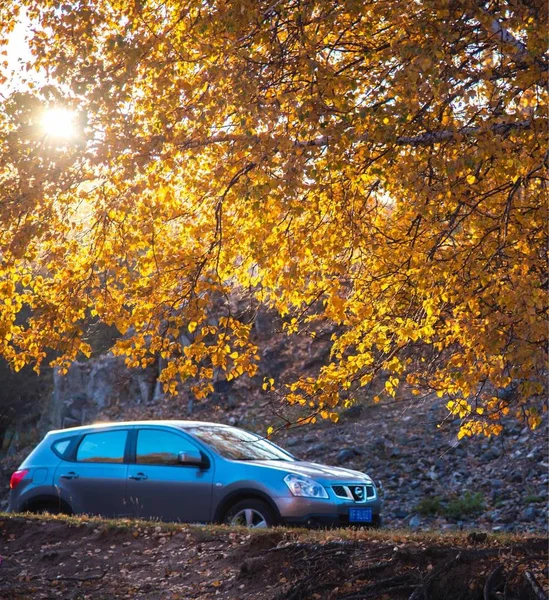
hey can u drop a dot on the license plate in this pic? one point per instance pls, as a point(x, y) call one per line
point(360, 515)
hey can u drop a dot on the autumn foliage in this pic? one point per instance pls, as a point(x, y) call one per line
point(375, 165)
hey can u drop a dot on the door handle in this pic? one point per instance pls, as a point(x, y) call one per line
point(71, 475)
point(138, 477)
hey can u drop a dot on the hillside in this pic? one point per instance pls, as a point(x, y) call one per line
point(72, 559)
point(430, 479)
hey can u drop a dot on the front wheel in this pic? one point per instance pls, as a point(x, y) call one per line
point(251, 513)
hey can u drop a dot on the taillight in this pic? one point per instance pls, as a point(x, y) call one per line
point(17, 477)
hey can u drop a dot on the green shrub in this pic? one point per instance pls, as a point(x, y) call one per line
point(429, 506)
point(531, 498)
point(464, 505)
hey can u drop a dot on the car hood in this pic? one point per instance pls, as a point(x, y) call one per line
point(321, 473)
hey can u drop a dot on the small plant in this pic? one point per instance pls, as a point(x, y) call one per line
point(532, 498)
point(429, 506)
point(464, 505)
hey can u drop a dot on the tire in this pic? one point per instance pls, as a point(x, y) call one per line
point(251, 513)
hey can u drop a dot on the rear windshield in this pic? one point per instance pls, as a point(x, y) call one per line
point(237, 444)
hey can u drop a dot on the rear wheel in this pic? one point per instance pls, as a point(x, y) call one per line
point(252, 513)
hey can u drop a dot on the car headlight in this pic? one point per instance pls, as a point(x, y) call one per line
point(301, 485)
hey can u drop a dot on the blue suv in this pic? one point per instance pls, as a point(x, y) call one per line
point(187, 471)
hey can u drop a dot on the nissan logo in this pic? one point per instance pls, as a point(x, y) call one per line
point(359, 492)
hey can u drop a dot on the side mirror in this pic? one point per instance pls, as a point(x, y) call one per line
point(192, 457)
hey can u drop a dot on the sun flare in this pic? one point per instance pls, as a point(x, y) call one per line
point(59, 123)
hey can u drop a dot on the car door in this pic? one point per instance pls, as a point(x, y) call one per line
point(93, 480)
point(159, 487)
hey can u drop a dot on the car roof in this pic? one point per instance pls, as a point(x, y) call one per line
point(180, 424)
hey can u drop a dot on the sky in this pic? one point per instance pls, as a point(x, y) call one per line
point(17, 52)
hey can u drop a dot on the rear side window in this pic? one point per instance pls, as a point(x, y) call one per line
point(61, 446)
point(156, 447)
point(102, 447)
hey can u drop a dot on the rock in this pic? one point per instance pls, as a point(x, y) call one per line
point(516, 477)
point(400, 514)
point(290, 442)
point(529, 514)
point(537, 453)
point(431, 474)
point(345, 455)
point(414, 522)
point(69, 422)
point(383, 445)
point(353, 412)
point(317, 448)
point(491, 454)
point(232, 401)
point(273, 363)
point(266, 321)
point(508, 517)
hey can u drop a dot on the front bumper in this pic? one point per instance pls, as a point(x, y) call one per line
point(314, 521)
point(329, 512)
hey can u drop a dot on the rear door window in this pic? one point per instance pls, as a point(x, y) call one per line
point(102, 447)
point(157, 447)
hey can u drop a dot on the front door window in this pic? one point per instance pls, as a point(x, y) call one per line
point(156, 447)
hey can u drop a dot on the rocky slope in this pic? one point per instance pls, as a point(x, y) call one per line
point(430, 479)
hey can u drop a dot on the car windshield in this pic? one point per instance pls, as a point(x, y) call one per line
point(237, 444)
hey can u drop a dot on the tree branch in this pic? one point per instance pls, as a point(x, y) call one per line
point(506, 37)
point(424, 139)
point(435, 137)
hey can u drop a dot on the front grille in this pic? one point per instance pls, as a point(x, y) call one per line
point(339, 490)
point(358, 493)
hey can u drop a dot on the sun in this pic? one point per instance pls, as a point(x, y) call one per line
point(59, 123)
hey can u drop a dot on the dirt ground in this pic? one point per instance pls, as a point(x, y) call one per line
point(69, 559)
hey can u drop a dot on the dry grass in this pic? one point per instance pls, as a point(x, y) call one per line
point(353, 534)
